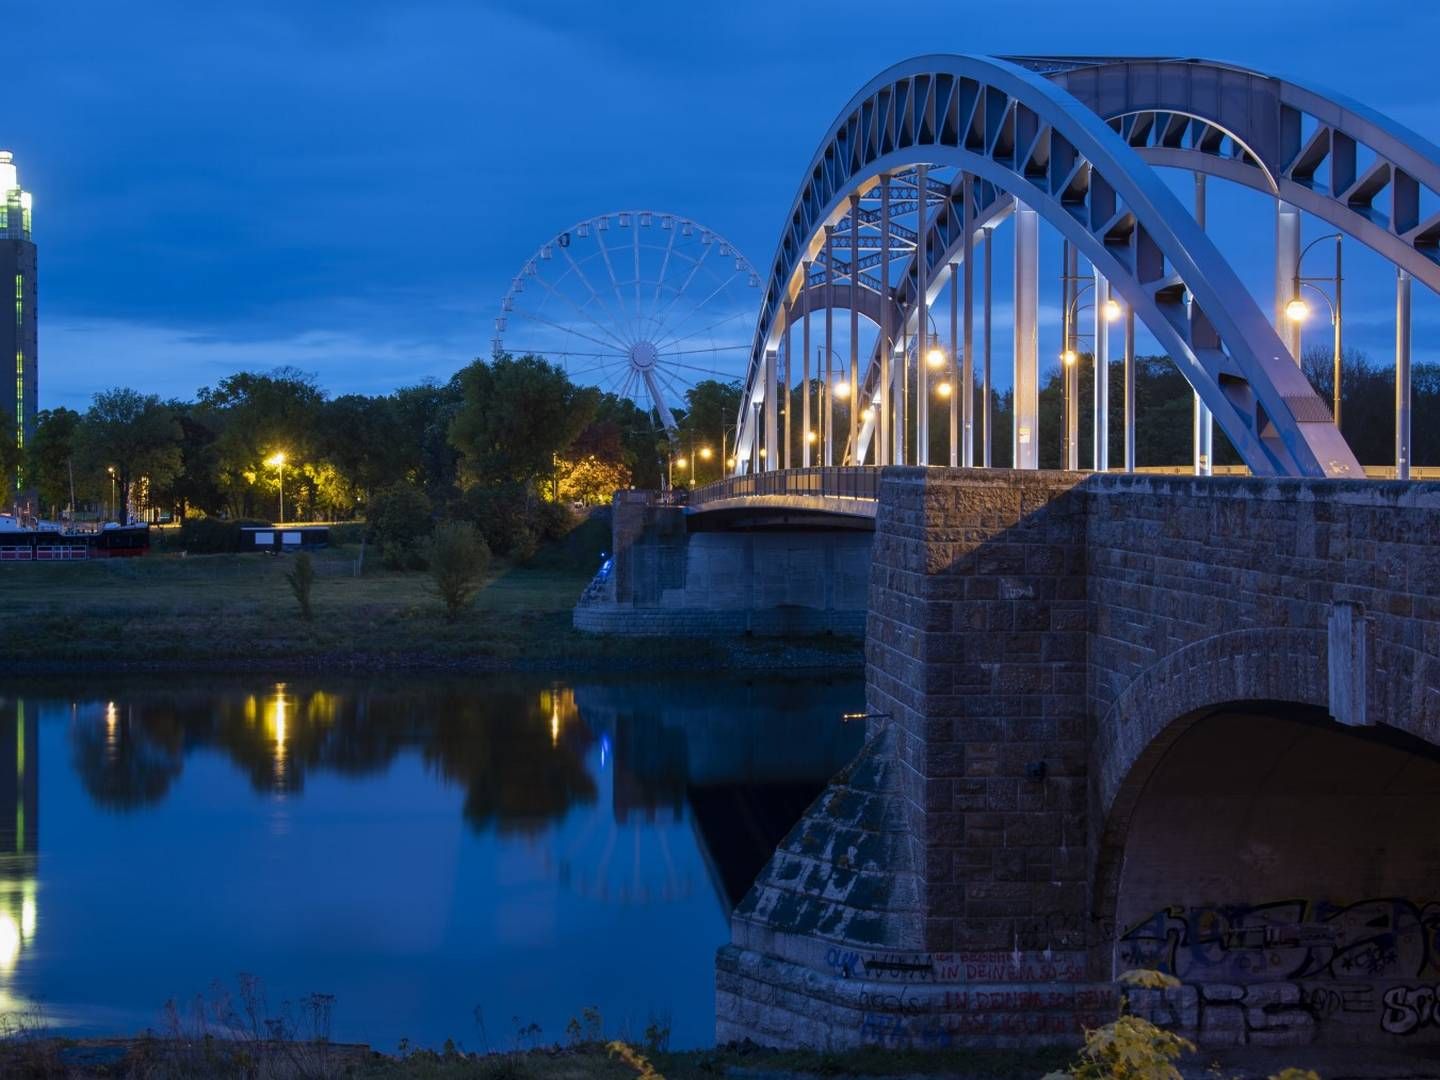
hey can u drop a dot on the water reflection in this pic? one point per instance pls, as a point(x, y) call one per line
point(19, 839)
point(293, 821)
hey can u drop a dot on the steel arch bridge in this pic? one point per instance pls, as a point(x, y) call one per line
point(955, 145)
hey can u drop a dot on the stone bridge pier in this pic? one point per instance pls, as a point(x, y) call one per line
point(1122, 722)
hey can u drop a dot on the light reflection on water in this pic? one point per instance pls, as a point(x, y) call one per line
point(449, 858)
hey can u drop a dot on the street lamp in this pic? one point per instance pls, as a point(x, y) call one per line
point(114, 509)
point(277, 461)
point(1297, 310)
point(1113, 310)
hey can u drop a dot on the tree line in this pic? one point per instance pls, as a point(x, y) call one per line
point(505, 438)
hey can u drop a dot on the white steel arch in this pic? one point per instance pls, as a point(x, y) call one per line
point(1017, 130)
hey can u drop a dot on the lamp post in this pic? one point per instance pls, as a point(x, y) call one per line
point(113, 508)
point(277, 461)
point(1297, 310)
point(705, 455)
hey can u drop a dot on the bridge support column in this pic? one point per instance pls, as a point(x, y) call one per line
point(1025, 436)
point(1287, 267)
point(1402, 375)
point(937, 894)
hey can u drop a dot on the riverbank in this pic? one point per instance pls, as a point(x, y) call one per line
point(170, 611)
point(172, 1059)
point(180, 1059)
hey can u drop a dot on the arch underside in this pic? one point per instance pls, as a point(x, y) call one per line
point(1086, 167)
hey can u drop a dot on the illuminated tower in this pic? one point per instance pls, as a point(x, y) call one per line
point(17, 339)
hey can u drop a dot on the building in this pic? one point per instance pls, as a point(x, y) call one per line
point(17, 263)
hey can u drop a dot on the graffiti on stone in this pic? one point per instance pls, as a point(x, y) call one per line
point(1407, 1009)
point(1384, 937)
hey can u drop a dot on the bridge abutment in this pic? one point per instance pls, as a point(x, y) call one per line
point(1102, 738)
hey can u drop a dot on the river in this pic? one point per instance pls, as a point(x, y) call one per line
point(478, 859)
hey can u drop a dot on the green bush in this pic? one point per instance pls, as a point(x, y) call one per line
point(513, 521)
point(302, 580)
point(399, 521)
point(458, 560)
point(214, 536)
point(349, 532)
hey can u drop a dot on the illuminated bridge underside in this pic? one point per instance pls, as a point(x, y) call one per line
point(1075, 140)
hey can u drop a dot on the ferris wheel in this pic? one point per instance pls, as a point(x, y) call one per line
point(641, 303)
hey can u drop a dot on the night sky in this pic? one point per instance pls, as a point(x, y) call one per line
point(348, 187)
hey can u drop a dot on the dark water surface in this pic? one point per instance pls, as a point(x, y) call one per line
point(450, 858)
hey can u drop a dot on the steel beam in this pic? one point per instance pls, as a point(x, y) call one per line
point(965, 382)
point(785, 382)
point(1129, 390)
point(922, 323)
point(884, 433)
point(829, 390)
point(1287, 267)
point(770, 401)
point(1102, 375)
point(854, 442)
point(1202, 436)
point(1402, 375)
point(1070, 262)
point(805, 419)
point(985, 417)
point(1024, 436)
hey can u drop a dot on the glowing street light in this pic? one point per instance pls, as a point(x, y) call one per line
point(1297, 310)
point(943, 389)
point(935, 357)
point(705, 453)
point(1112, 310)
point(842, 390)
point(277, 461)
point(1068, 357)
point(810, 436)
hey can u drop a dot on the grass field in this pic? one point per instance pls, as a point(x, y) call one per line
point(169, 609)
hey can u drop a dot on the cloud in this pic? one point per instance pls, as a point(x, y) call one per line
point(79, 357)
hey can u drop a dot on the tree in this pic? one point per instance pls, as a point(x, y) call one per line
point(399, 518)
point(708, 422)
point(254, 416)
point(12, 464)
point(594, 467)
point(458, 560)
point(49, 457)
point(301, 578)
point(516, 417)
point(133, 433)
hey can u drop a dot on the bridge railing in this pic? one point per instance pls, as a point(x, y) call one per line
point(842, 482)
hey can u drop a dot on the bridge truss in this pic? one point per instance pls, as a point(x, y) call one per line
point(897, 217)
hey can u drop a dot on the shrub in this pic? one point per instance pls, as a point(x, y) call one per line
point(399, 518)
point(302, 579)
point(214, 536)
point(513, 521)
point(458, 561)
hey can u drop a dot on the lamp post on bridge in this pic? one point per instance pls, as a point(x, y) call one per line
point(1297, 310)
